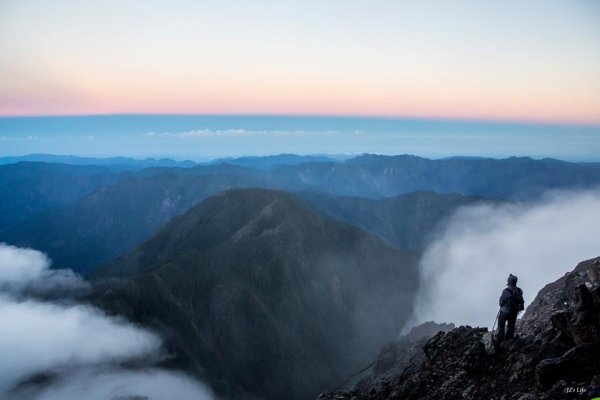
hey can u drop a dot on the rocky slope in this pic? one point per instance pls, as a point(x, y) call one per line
point(263, 297)
point(394, 357)
point(556, 356)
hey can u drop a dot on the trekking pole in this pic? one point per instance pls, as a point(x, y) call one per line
point(496, 320)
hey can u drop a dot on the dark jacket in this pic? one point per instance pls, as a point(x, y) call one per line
point(511, 300)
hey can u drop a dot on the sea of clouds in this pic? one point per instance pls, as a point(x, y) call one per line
point(54, 347)
point(464, 270)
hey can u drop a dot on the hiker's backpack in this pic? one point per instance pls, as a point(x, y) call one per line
point(515, 302)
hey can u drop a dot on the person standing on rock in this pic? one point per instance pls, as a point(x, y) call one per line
point(511, 303)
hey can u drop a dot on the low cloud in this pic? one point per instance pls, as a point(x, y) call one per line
point(117, 384)
point(80, 350)
point(18, 138)
point(203, 133)
point(25, 272)
point(464, 271)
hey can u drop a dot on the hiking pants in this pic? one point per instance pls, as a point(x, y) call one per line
point(508, 320)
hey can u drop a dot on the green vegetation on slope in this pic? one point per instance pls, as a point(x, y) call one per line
point(260, 294)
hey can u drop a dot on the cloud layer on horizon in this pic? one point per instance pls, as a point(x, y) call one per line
point(202, 133)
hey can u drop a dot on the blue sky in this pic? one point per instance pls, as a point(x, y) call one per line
point(198, 137)
point(381, 76)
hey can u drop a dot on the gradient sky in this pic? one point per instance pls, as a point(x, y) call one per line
point(503, 60)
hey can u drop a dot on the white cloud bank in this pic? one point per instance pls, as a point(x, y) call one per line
point(464, 271)
point(112, 385)
point(77, 344)
point(26, 271)
point(203, 133)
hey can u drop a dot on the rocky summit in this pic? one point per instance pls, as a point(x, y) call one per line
point(555, 356)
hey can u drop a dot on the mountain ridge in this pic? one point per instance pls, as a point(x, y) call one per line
point(119, 217)
point(257, 292)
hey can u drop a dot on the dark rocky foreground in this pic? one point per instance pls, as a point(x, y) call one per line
point(556, 356)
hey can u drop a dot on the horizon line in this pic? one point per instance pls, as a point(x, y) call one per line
point(349, 156)
point(492, 120)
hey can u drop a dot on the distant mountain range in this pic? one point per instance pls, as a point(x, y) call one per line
point(377, 176)
point(115, 163)
point(115, 219)
point(84, 216)
point(127, 163)
point(29, 188)
point(269, 163)
point(406, 221)
point(97, 228)
point(258, 294)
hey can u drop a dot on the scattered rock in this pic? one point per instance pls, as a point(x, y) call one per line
point(557, 355)
point(488, 343)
